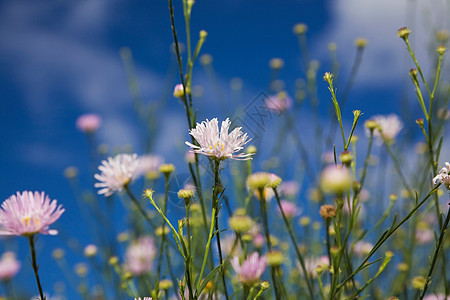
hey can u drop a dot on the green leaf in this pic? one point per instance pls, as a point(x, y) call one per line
point(206, 280)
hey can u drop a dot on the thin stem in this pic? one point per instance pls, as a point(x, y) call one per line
point(31, 241)
point(216, 191)
point(294, 242)
point(140, 208)
point(413, 56)
point(436, 253)
point(163, 235)
point(385, 236)
point(262, 202)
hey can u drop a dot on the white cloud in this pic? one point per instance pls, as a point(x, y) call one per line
point(385, 58)
point(51, 48)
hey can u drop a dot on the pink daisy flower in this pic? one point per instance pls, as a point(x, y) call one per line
point(251, 269)
point(29, 213)
point(221, 145)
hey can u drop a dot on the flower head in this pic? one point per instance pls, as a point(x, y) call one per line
point(88, 123)
point(149, 165)
point(443, 176)
point(290, 209)
point(388, 127)
point(221, 145)
point(9, 266)
point(251, 269)
point(29, 213)
point(116, 173)
point(278, 103)
point(139, 256)
point(335, 179)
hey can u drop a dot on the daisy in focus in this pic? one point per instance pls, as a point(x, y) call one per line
point(443, 176)
point(221, 145)
point(116, 173)
point(27, 213)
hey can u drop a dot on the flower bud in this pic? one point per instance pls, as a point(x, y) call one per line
point(327, 211)
point(300, 28)
point(403, 33)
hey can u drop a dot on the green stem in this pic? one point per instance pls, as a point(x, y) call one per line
point(385, 236)
point(413, 56)
point(262, 202)
point(294, 242)
point(31, 241)
point(216, 191)
point(163, 235)
point(436, 253)
point(140, 208)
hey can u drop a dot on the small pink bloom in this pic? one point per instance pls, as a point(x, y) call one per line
point(289, 189)
point(149, 164)
point(278, 103)
point(251, 269)
point(424, 236)
point(436, 297)
point(139, 256)
point(88, 123)
point(29, 213)
point(289, 209)
point(9, 266)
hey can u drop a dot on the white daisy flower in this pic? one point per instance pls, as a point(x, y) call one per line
point(116, 173)
point(221, 145)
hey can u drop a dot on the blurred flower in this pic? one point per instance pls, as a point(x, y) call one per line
point(327, 211)
point(90, 250)
point(258, 180)
point(88, 123)
point(314, 263)
point(388, 127)
point(178, 91)
point(258, 240)
point(240, 223)
point(139, 256)
point(221, 146)
point(145, 298)
point(27, 214)
point(279, 102)
point(116, 173)
point(189, 157)
point(230, 245)
point(289, 189)
point(362, 248)
point(424, 236)
point(290, 209)
point(335, 179)
point(149, 165)
point(251, 269)
point(436, 297)
point(443, 176)
point(9, 266)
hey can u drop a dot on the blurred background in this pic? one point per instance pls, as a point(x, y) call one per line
point(62, 59)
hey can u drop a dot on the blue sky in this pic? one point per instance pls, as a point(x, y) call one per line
point(61, 59)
